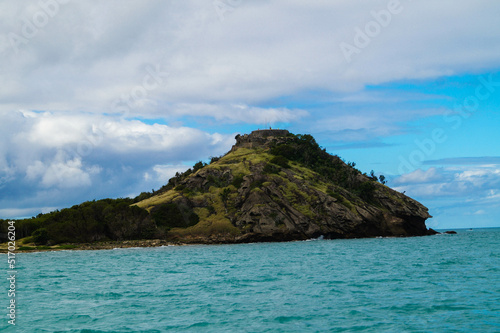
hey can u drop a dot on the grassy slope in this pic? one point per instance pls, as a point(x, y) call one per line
point(239, 162)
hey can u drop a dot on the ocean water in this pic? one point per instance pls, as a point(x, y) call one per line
point(443, 283)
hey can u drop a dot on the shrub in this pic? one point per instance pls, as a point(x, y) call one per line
point(216, 181)
point(26, 248)
point(224, 196)
point(271, 168)
point(27, 240)
point(143, 196)
point(198, 166)
point(281, 161)
point(237, 181)
point(214, 159)
point(67, 246)
point(173, 215)
point(340, 199)
point(256, 184)
point(366, 190)
point(211, 209)
point(40, 236)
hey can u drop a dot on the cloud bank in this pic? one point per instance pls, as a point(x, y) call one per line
point(103, 99)
point(89, 54)
point(69, 156)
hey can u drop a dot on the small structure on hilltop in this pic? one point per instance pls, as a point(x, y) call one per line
point(259, 138)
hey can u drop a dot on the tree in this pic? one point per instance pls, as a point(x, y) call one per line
point(40, 236)
point(198, 166)
point(224, 195)
point(382, 179)
point(214, 159)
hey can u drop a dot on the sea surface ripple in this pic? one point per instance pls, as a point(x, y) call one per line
point(442, 283)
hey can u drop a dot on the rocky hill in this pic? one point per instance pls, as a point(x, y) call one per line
point(276, 186)
point(271, 186)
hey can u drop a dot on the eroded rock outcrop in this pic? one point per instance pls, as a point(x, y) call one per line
point(276, 186)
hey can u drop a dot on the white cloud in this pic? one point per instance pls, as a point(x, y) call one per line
point(62, 172)
point(239, 113)
point(67, 174)
point(420, 176)
point(479, 183)
point(174, 60)
point(82, 134)
point(58, 130)
point(465, 196)
point(51, 159)
point(91, 53)
point(163, 173)
point(479, 177)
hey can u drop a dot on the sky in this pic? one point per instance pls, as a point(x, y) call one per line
point(111, 98)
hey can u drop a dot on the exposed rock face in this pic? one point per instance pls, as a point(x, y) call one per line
point(310, 213)
point(254, 193)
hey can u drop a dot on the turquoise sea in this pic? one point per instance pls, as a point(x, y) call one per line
point(442, 283)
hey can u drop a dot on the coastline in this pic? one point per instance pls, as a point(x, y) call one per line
point(106, 245)
point(148, 243)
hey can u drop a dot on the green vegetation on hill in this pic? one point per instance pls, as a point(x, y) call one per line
point(270, 187)
point(304, 150)
point(108, 219)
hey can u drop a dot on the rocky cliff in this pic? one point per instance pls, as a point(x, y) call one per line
point(276, 186)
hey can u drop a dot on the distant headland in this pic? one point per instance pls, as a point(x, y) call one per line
point(271, 186)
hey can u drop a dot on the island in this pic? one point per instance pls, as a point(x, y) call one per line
point(271, 186)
